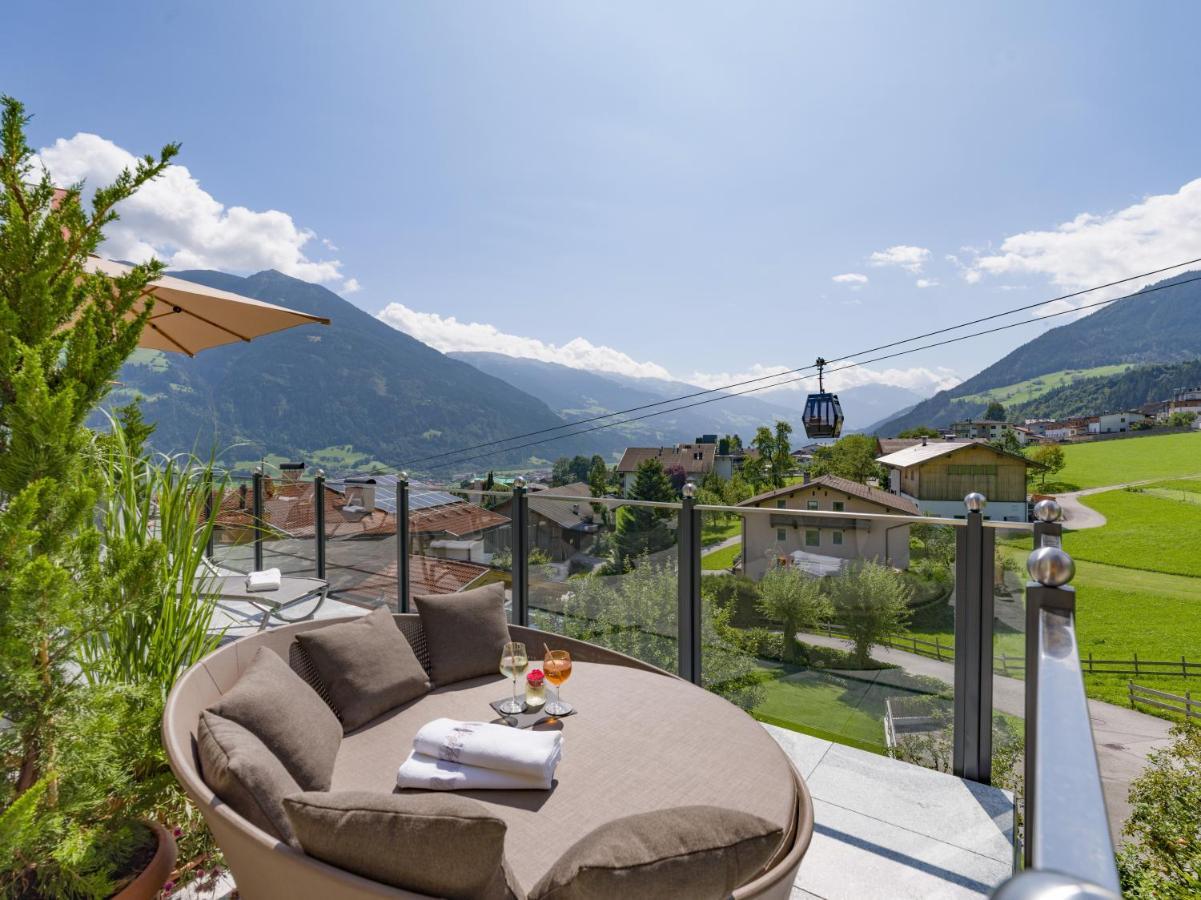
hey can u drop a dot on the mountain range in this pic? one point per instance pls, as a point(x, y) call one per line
point(360, 393)
point(578, 394)
point(352, 393)
point(1159, 324)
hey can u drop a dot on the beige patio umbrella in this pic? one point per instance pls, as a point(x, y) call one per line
point(189, 317)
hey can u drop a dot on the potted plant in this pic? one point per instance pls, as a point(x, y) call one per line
point(84, 668)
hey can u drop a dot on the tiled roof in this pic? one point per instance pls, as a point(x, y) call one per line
point(920, 453)
point(563, 512)
point(845, 486)
point(892, 445)
point(457, 519)
point(427, 575)
point(679, 455)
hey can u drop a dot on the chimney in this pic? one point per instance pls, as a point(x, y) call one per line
point(291, 472)
point(923, 440)
point(806, 478)
point(360, 492)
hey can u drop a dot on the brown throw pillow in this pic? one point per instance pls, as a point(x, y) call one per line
point(698, 852)
point(434, 844)
point(245, 774)
point(367, 666)
point(465, 632)
point(274, 703)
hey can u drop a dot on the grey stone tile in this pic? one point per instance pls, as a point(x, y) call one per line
point(970, 816)
point(805, 751)
point(856, 857)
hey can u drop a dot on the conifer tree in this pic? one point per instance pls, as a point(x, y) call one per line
point(64, 333)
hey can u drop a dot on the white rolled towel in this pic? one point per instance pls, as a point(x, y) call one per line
point(426, 773)
point(266, 580)
point(488, 746)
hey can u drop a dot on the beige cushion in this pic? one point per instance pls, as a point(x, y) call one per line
point(697, 852)
point(465, 632)
point(274, 703)
point(245, 774)
point(436, 844)
point(367, 666)
point(658, 755)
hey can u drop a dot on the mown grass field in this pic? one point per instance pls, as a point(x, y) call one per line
point(1102, 463)
point(1142, 531)
point(721, 559)
point(1021, 391)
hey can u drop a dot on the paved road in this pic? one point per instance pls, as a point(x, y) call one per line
point(1077, 516)
point(1123, 737)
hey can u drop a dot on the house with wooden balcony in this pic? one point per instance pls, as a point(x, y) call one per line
point(937, 476)
point(822, 545)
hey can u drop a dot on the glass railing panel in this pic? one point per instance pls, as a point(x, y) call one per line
point(289, 521)
point(233, 530)
point(1012, 546)
point(459, 539)
point(361, 540)
point(606, 573)
point(834, 624)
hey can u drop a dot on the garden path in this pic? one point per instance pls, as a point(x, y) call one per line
point(1123, 737)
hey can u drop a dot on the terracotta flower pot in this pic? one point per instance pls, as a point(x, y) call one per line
point(147, 885)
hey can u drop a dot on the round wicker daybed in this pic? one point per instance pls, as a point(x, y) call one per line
point(643, 739)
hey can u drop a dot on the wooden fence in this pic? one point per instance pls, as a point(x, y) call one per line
point(1185, 706)
point(1015, 666)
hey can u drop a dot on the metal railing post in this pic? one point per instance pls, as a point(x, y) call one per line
point(974, 569)
point(1047, 532)
point(688, 613)
point(1066, 823)
point(319, 519)
point(402, 543)
point(521, 553)
point(258, 517)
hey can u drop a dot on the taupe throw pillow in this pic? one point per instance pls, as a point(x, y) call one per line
point(435, 844)
point(698, 852)
point(245, 774)
point(274, 703)
point(465, 632)
point(367, 666)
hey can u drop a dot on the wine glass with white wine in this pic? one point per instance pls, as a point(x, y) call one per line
point(513, 663)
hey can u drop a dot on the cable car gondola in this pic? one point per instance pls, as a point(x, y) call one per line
point(823, 412)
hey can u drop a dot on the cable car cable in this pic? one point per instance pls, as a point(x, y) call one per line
point(852, 365)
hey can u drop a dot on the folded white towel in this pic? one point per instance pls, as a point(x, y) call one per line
point(531, 753)
point(266, 580)
point(426, 773)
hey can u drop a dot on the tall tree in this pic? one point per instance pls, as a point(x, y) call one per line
point(642, 529)
point(64, 333)
point(995, 412)
point(796, 601)
point(853, 457)
point(598, 477)
point(1051, 458)
point(871, 602)
point(782, 461)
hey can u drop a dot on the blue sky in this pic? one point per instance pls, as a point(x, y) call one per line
point(676, 184)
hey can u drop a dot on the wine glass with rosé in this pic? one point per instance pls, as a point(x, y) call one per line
point(557, 666)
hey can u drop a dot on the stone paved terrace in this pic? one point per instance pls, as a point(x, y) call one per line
point(883, 828)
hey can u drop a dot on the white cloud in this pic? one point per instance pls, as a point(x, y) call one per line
point(1093, 249)
point(926, 282)
point(176, 220)
point(446, 333)
point(351, 285)
point(911, 259)
point(919, 378)
point(852, 278)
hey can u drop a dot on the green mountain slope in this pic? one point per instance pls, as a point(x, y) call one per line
point(1112, 393)
point(1159, 327)
point(357, 382)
